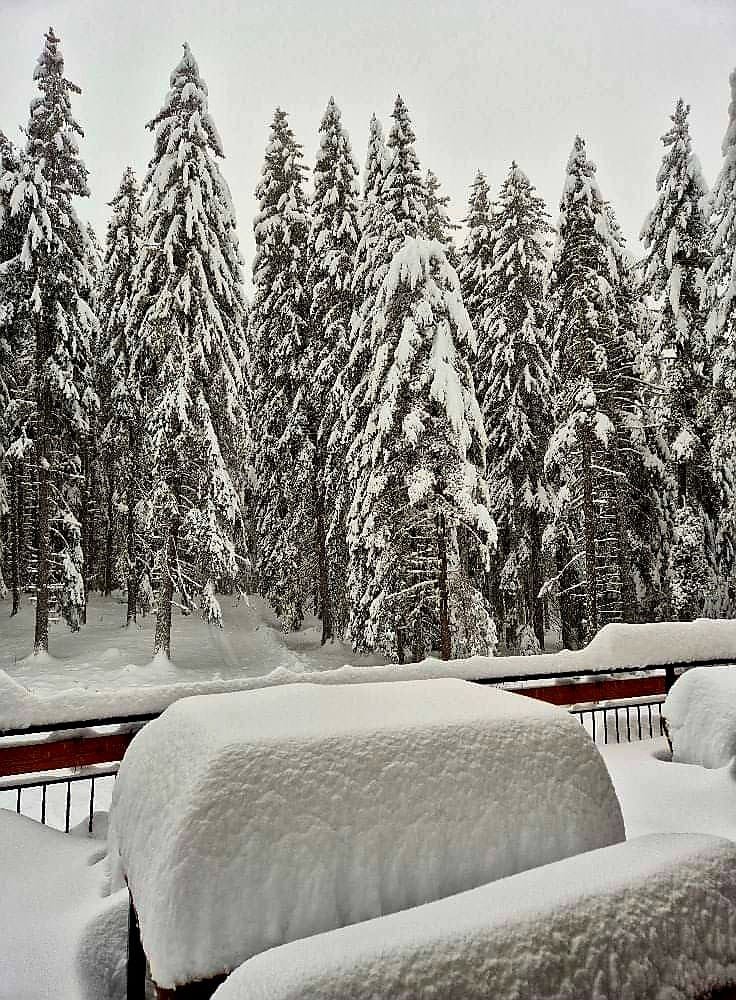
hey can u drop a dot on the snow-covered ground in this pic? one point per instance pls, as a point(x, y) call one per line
point(106, 670)
point(657, 795)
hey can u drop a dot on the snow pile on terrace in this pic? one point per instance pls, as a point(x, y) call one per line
point(654, 917)
point(246, 821)
point(701, 715)
point(150, 688)
point(60, 936)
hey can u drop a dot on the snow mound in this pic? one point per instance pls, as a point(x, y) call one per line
point(651, 917)
point(60, 935)
point(246, 821)
point(16, 701)
point(701, 715)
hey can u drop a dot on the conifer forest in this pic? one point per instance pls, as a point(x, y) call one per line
point(445, 433)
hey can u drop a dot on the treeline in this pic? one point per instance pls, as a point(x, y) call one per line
point(435, 444)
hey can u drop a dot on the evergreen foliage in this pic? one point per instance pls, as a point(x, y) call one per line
point(420, 471)
point(675, 237)
point(518, 401)
point(55, 256)
point(186, 324)
point(278, 335)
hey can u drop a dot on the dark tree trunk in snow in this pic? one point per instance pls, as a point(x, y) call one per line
point(325, 607)
point(84, 521)
point(130, 546)
point(445, 644)
point(535, 578)
point(15, 527)
point(589, 539)
point(162, 641)
point(43, 567)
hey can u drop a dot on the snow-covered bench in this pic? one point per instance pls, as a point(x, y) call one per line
point(654, 917)
point(701, 716)
point(244, 821)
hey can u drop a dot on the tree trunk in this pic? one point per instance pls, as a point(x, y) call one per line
point(43, 568)
point(130, 549)
point(567, 617)
point(325, 607)
point(162, 639)
point(15, 536)
point(109, 534)
point(445, 644)
point(85, 528)
point(589, 537)
point(536, 608)
point(399, 644)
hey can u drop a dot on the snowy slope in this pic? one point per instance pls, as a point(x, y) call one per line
point(245, 822)
point(654, 917)
point(61, 937)
point(105, 670)
point(701, 715)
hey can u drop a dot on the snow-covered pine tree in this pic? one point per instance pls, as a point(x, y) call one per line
point(343, 413)
point(278, 334)
point(92, 487)
point(185, 330)
point(675, 238)
point(121, 440)
point(420, 471)
point(439, 224)
point(55, 255)
point(720, 301)
point(518, 403)
point(584, 454)
point(394, 209)
point(475, 272)
point(333, 239)
point(16, 363)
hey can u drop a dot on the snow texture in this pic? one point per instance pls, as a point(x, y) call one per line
point(701, 716)
point(652, 917)
point(242, 823)
point(658, 796)
point(150, 688)
point(61, 936)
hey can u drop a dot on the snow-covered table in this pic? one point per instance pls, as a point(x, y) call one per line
point(245, 821)
point(701, 716)
point(654, 917)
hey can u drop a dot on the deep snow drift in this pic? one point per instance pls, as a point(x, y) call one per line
point(701, 715)
point(61, 937)
point(654, 917)
point(245, 821)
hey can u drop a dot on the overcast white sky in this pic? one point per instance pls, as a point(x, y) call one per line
point(485, 81)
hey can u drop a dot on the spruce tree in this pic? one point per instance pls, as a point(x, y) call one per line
point(475, 271)
point(121, 439)
point(344, 413)
point(394, 211)
point(675, 238)
point(186, 326)
point(55, 256)
point(16, 365)
point(439, 224)
point(278, 335)
point(333, 239)
point(420, 471)
point(584, 454)
point(518, 402)
point(720, 302)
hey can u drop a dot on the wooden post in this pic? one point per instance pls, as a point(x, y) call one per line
point(136, 979)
